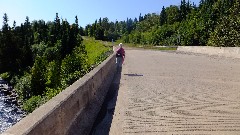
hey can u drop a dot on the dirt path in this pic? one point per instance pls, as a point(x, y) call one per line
point(170, 93)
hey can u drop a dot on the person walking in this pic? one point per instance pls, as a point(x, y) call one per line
point(120, 56)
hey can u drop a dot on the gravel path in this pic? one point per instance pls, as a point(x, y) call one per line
point(177, 94)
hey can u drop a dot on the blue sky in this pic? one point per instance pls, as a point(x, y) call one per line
point(86, 10)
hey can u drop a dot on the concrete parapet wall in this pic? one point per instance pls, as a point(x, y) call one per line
point(74, 110)
point(233, 52)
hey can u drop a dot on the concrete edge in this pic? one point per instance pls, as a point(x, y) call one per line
point(233, 52)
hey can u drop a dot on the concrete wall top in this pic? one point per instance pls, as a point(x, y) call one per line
point(233, 52)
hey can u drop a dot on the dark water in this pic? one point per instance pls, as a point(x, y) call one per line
point(9, 113)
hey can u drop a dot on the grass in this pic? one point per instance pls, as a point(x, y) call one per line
point(150, 47)
point(94, 49)
point(161, 48)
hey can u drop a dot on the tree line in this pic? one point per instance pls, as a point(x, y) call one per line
point(212, 22)
point(41, 58)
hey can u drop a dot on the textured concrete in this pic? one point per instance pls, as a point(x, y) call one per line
point(163, 93)
point(74, 110)
point(233, 52)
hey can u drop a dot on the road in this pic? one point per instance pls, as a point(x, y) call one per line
point(170, 93)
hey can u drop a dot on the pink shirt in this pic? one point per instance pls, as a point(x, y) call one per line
point(121, 52)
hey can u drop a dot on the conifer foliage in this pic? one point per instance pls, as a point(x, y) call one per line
point(41, 59)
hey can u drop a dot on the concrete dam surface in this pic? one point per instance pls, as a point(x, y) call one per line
point(155, 93)
point(175, 93)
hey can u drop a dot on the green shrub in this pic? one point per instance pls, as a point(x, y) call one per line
point(50, 93)
point(71, 70)
point(38, 72)
point(52, 74)
point(31, 104)
point(23, 87)
point(6, 76)
point(101, 57)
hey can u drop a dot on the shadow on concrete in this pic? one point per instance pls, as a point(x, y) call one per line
point(104, 119)
point(133, 75)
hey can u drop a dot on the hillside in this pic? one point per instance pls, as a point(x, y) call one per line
point(212, 22)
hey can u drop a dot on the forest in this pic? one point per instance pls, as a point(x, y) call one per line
point(40, 59)
point(211, 23)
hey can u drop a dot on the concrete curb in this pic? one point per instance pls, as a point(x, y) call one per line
point(233, 52)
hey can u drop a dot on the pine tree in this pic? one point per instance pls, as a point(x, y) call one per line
point(9, 49)
point(183, 10)
point(5, 27)
point(56, 30)
point(163, 16)
point(14, 25)
point(140, 18)
point(76, 23)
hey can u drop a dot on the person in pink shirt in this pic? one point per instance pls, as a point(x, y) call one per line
point(120, 55)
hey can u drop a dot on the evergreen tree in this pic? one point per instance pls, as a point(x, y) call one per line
point(172, 14)
point(163, 16)
point(9, 49)
point(38, 79)
point(183, 10)
point(76, 25)
point(14, 25)
point(5, 27)
point(140, 18)
point(81, 31)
